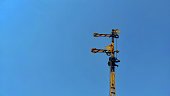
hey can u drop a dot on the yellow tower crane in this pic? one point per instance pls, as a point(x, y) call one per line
point(110, 51)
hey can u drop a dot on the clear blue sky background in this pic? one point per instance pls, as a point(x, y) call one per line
point(45, 47)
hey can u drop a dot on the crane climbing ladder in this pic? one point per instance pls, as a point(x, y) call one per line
point(112, 53)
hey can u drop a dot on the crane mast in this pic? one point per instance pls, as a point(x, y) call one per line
point(112, 53)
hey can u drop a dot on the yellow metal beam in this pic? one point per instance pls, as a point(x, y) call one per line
point(112, 84)
point(110, 50)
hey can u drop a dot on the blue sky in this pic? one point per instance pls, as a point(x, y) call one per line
point(45, 47)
